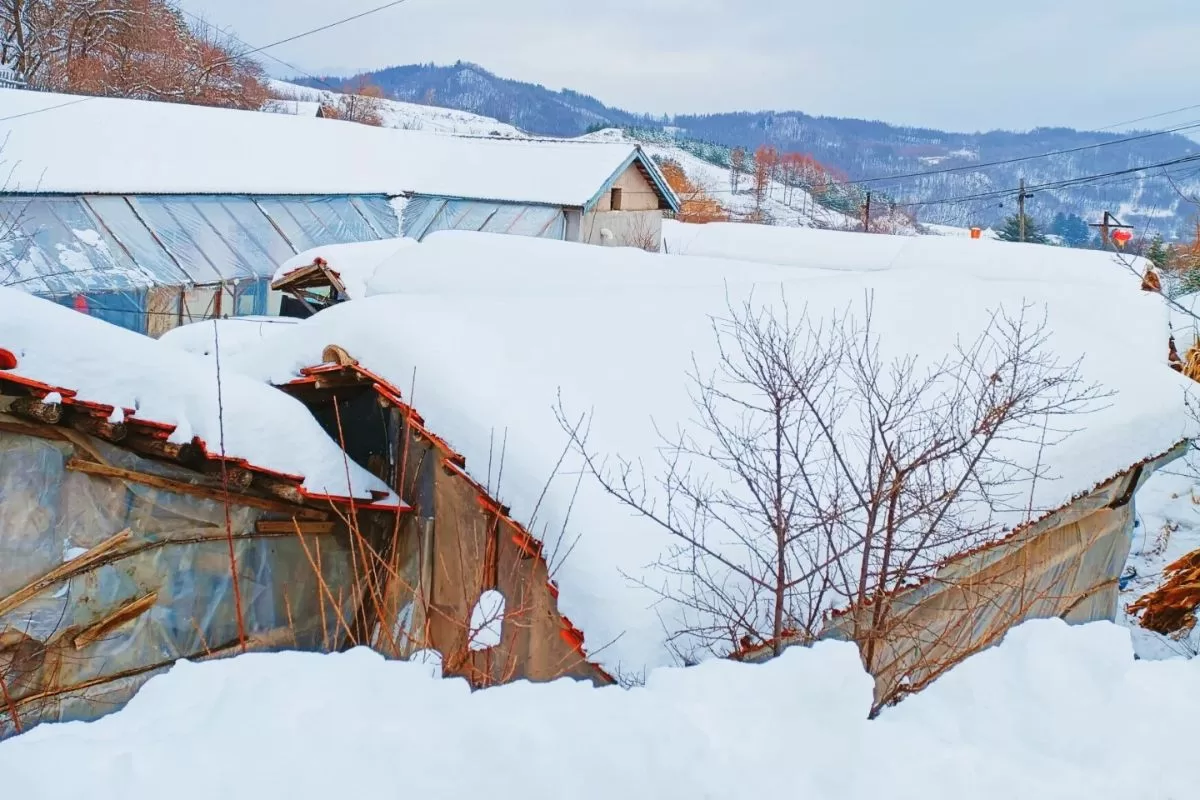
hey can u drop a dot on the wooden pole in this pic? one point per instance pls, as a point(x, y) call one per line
point(867, 214)
point(1021, 209)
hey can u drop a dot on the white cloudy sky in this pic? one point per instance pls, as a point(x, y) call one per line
point(958, 64)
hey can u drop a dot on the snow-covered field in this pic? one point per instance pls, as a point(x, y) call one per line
point(1054, 712)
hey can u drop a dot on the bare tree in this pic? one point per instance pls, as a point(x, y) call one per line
point(737, 165)
point(821, 475)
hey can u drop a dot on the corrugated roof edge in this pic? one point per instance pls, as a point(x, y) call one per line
point(158, 430)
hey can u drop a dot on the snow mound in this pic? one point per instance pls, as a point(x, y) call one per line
point(494, 331)
point(235, 334)
point(1048, 713)
point(155, 382)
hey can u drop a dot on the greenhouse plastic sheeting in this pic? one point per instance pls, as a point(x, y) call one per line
point(71, 646)
point(426, 215)
point(57, 246)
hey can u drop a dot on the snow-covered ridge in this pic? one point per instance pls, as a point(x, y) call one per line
point(304, 101)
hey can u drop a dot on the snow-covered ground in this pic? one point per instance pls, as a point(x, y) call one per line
point(1054, 712)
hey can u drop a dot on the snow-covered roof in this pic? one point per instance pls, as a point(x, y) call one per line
point(497, 330)
point(66, 144)
point(826, 249)
point(85, 359)
point(232, 333)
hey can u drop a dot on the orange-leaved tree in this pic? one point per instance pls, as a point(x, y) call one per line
point(696, 204)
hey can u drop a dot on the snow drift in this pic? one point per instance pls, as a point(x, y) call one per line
point(1049, 713)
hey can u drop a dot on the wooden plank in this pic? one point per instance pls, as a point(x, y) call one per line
point(126, 613)
point(283, 526)
point(64, 571)
point(195, 490)
point(40, 431)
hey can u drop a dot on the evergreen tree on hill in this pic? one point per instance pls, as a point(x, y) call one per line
point(1011, 232)
point(1072, 229)
point(1158, 253)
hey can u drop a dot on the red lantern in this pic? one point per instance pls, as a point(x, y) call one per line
point(1121, 237)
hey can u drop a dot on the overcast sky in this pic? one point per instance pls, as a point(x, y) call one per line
point(952, 64)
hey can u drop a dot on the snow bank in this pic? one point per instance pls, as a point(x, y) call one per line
point(1049, 713)
point(145, 379)
point(495, 329)
point(76, 144)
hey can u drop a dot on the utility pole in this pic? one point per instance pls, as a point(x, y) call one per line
point(1106, 225)
point(1022, 196)
point(867, 214)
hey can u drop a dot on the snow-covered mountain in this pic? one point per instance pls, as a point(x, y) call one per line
point(865, 149)
point(781, 205)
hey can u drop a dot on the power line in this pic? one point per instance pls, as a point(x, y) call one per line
point(326, 27)
point(47, 108)
point(1062, 184)
point(1151, 116)
point(1020, 159)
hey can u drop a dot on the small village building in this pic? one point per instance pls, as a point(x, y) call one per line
point(152, 215)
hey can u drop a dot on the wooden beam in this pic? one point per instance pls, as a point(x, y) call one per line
point(63, 571)
point(214, 493)
point(143, 444)
point(41, 431)
point(285, 526)
point(126, 613)
point(114, 432)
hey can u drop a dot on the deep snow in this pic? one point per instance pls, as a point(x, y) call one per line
point(1053, 712)
point(493, 330)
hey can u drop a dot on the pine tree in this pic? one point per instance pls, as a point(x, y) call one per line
point(1158, 254)
point(1071, 229)
point(1011, 232)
